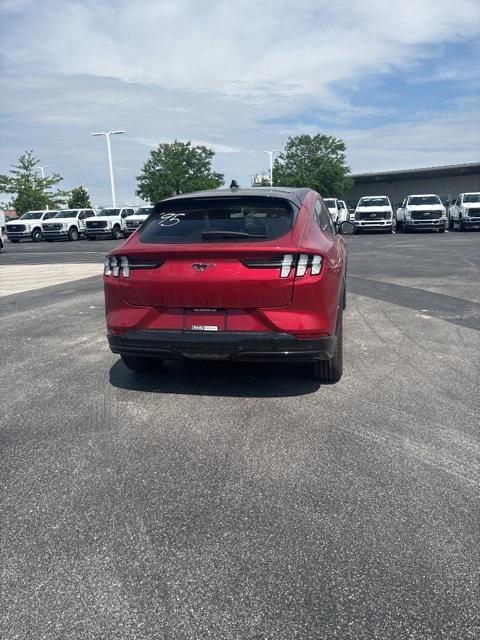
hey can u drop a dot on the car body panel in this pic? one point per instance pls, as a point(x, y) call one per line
point(103, 225)
point(373, 216)
point(22, 229)
point(426, 216)
point(228, 296)
point(132, 223)
point(468, 213)
point(59, 228)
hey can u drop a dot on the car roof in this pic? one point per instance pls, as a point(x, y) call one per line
point(422, 195)
point(366, 197)
point(295, 195)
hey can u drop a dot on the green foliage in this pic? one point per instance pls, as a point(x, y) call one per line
point(317, 162)
point(79, 198)
point(176, 168)
point(29, 189)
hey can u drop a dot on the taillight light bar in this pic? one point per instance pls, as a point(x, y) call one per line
point(114, 266)
point(301, 262)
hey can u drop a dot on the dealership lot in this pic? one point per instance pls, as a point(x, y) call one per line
point(246, 500)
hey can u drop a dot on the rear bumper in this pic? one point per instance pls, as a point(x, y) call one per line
point(247, 345)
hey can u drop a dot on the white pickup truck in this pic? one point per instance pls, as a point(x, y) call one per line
point(133, 222)
point(374, 212)
point(465, 211)
point(338, 212)
point(28, 226)
point(68, 224)
point(421, 211)
point(109, 223)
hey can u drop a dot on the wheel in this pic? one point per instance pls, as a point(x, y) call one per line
point(331, 370)
point(73, 233)
point(139, 363)
point(36, 235)
point(450, 224)
point(116, 233)
point(461, 226)
point(14, 240)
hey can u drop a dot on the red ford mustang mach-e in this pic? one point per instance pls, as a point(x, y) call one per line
point(232, 274)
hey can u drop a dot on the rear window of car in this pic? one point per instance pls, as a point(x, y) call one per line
point(242, 219)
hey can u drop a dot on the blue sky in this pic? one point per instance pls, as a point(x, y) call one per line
point(399, 82)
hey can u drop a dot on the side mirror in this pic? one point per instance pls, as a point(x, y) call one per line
point(346, 228)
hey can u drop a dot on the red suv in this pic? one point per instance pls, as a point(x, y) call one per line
point(235, 274)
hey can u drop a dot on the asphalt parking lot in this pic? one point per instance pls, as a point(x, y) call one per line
point(243, 501)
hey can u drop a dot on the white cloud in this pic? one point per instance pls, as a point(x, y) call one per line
point(279, 49)
point(212, 72)
point(428, 139)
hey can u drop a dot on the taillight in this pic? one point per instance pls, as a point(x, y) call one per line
point(113, 266)
point(300, 262)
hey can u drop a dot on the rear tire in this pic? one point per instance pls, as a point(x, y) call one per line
point(139, 363)
point(331, 370)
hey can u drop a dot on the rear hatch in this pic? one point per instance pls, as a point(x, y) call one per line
point(215, 253)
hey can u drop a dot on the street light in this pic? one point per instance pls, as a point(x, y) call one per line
point(42, 169)
point(107, 134)
point(270, 155)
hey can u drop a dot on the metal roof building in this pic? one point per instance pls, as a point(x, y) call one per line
point(446, 181)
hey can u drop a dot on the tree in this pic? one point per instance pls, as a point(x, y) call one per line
point(176, 168)
point(317, 162)
point(31, 191)
point(79, 198)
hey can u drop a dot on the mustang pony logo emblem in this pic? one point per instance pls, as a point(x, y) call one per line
point(201, 266)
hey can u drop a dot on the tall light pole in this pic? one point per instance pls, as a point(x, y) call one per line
point(107, 135)
point(270, 155)
point(42, 170)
